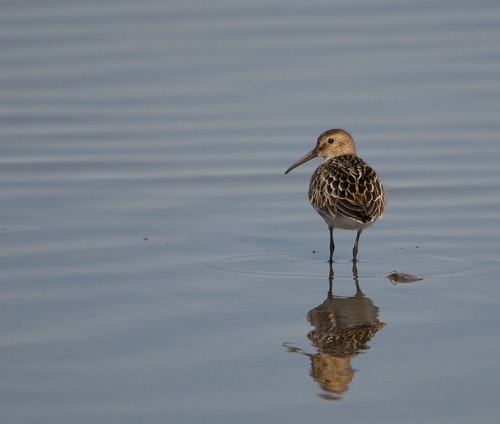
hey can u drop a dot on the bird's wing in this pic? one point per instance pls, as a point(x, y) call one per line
point(349, 188)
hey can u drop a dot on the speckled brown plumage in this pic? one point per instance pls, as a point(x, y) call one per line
point(347, 188)
point(344, 190)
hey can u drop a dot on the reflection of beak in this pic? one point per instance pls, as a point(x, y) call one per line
point(311, 155)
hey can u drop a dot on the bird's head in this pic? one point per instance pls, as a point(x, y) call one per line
point(330, 144)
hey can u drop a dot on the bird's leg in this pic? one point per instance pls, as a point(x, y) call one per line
point(330, 281)
point(332, 245)
point(355, 278)
point(355, 249)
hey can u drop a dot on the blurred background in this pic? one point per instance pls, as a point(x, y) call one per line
point(158, 266)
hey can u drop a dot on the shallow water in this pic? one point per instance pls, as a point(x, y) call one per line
point(157, 264)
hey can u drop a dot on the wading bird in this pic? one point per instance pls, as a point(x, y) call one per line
point(344, 190)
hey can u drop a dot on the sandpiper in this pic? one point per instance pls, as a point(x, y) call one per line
point(344, 190)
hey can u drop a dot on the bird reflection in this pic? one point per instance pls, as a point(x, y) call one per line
point(343, 327)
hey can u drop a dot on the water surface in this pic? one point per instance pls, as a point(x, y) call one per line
point(157, 264)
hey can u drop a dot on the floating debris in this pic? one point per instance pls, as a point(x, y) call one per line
point(402, 277)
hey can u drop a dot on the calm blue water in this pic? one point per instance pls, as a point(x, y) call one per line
point(157, 264)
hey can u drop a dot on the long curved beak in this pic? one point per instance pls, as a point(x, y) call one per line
point(311, 155)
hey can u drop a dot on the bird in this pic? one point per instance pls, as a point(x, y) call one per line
point(344, 190)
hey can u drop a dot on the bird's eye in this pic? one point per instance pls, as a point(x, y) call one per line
point(331, 140)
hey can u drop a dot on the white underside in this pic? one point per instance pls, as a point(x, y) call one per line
point(346, 223)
